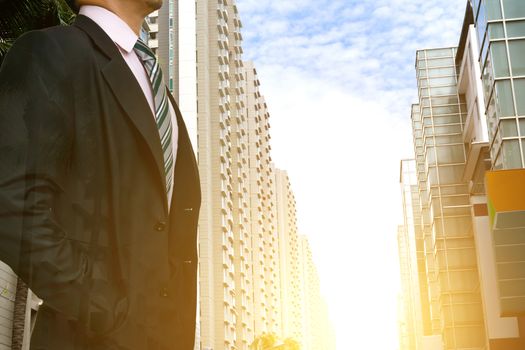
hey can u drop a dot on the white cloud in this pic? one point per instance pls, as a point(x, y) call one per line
point(338, 76)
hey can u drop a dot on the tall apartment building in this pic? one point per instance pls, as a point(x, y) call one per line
point(316, 325)
point(291, 288)
point(304, 312)
point(218, 312)
point(239, 269)
point(8, 281)
point(265, 238)
point(18, 307)
point(171, 34)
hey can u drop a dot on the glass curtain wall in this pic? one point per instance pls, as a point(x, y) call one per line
point(451, 232)
point(431, 278)
point(501, 30)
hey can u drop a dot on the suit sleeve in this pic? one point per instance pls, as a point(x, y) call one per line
point(36, 139)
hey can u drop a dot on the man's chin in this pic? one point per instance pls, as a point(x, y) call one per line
point(154, 5)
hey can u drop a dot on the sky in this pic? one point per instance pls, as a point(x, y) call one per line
point(338, 77)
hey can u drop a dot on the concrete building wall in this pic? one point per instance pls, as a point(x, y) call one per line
point(8, 282)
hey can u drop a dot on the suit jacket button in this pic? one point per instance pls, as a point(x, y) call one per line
point(160, 226)
point(164, 292)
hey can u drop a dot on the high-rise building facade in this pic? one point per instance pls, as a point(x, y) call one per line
point(171, 34)
point(8, 281)
point(442, 112)
point(239, 242)
point(291, 292)
point(427, 260)
point(315, 333)
point(408, 259)
point(502, 331)
point(501, 30)
point(500, 26)
point(415, 328)
point(18, 308)
point(216, 104)
point(265, 239)
point(468, 142)
point(407, 322)
point(163, 41)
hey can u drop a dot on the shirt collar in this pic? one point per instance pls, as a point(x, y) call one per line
point(113, 25)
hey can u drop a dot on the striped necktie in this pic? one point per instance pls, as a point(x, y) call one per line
point(162, 116)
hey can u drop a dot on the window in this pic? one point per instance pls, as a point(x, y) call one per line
point(439, 62)
point(452, 174)
point(481, 26)
point(519, 92)
point(493, 9)
point(511, 154)
point(517, 53)
point(508, 128)
point(499, 59)
point(442, 81)
point(496, 31)
point(515, 29)
point(439, 72)
point(444, 90)
point(439, 53)
point(504, 100)
point(514, 8)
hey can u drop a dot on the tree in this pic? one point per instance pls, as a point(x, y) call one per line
point(270, 341)
point(265, 341)
point(291, 344)
point(20, 16)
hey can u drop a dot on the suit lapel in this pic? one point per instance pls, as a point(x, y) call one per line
point(186, 192)
point(127, 90)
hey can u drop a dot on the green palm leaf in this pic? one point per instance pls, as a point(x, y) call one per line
point(20, 16)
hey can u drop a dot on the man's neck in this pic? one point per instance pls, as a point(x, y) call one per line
point(130, 12)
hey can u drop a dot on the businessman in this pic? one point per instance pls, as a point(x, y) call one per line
point(99, 186)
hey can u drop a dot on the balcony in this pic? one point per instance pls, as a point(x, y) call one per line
point(224, 72)
point(153, 27)
point(153, 43)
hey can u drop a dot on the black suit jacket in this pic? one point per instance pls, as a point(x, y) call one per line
point(84, 218)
